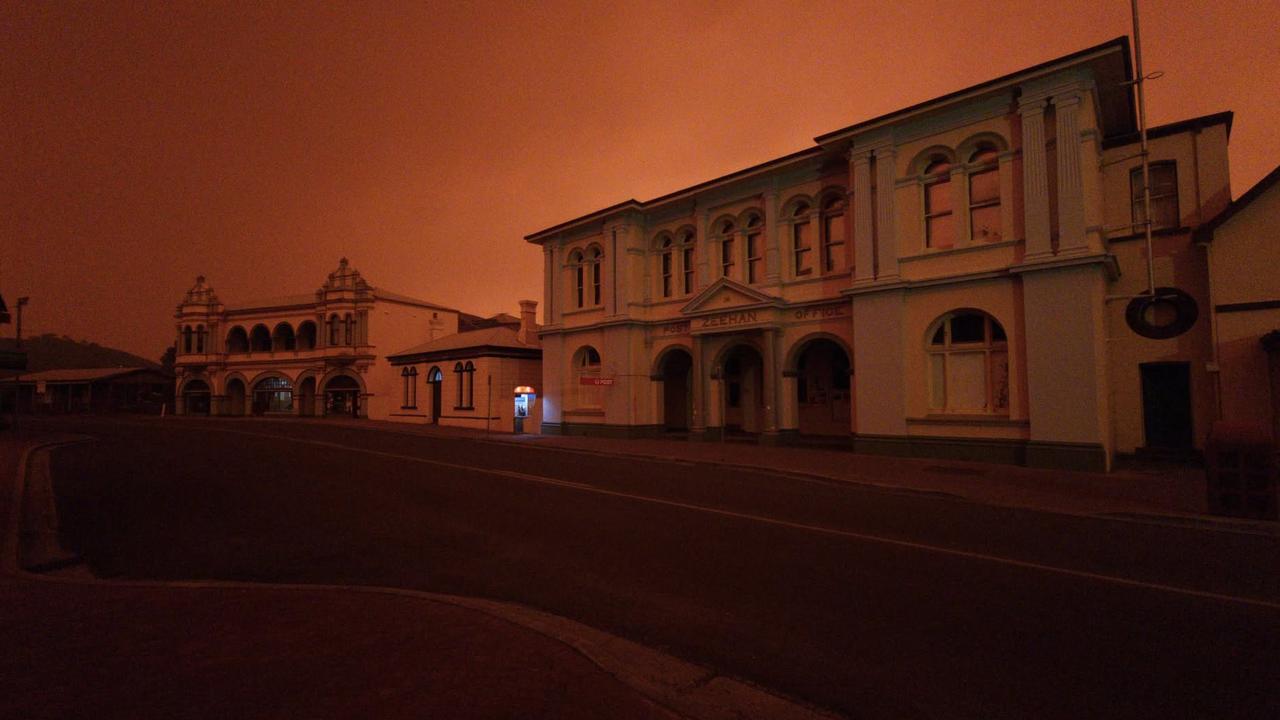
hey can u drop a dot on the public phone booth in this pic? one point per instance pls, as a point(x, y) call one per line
point(525, 400)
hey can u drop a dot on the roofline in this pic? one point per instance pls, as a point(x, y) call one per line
point(1120, 43)
point(1204, 233)
point(1226, 117)
point(461, 353)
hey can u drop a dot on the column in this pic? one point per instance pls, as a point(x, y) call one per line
point(1035, 180)
point(699, 426)
point(864, 244)
point(610, 270)
point(1070, 190)
point(887, 242)
point(549, 303)
point(703, 251)
point(772, 238)
point(770, 384)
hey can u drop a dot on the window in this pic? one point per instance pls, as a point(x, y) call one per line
point(348, 325)
point(458, 376)
point(801, 242)
point(833, 235)
point(755, 251)
point(968, 365)
point(667, 263)
point(200, 334)
point(237, 340)
point(579, 272)
point(469, 374)
point(595, 256)
point(984, 195)
point(726, 232)
point(333, 329)
point(686, 261)
point(186, 339)
point(273, 394)
point(939, 231)
point(409, 377)
point(1164, 196)
point(586, 365)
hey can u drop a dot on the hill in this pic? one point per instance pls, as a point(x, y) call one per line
point(52, 352)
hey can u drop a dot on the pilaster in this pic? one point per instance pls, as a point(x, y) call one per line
point(886, 240)
point(864, 247)
point(772, 238)
point(1035, 180)
point(1071, 226)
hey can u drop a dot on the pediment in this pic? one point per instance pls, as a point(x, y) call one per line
point(725, 294)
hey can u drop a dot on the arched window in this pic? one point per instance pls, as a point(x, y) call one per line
point(282, 338)
point(686, 261)
point(666, 263)
point(186, 339)
point(833, 234)
point(579, 277)
point(595, 256)
point(801, 240)
point(409, 378)
point(939, 230)
point(348, 325)
point(984, 195)
point(469, 375)
point(755, 249)
point(1164, 195)
point(200, 335)
point(273, 394)
point(333, 329)
point(968, 364)
point(237, 340)
point(586, 366)
point(458, 376)
point(307, 336)
point(259, 339)
point(726, 232)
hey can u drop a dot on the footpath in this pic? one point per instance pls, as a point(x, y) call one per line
point(1167, 493)
point(77, 646)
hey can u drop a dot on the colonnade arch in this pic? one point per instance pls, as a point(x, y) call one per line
point(674, 369)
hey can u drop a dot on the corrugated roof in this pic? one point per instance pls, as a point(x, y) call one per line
point(273, 302)
point(80, 374)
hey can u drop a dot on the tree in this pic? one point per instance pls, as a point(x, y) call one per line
point(169, 358)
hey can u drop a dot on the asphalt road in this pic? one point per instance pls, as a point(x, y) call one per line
point(873, 604)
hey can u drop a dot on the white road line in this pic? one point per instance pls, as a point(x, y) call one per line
point(583, 487)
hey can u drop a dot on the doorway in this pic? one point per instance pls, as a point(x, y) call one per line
point(235, 397)
point(342, 396)
point(743, 401)
point(436, 378)
point(823, 392)
point(1166, 405)
point(677, 401)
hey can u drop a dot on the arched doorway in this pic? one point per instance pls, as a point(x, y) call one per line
point(436, 379)
point(235, 397)
point(342, 396)
point(273, 395)
point(742, 382)
point(677, 400)
point(195, 398)
point(823, 389)
point(307, 397)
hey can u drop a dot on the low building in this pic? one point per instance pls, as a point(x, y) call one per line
point(1242, 245)
point(485, 377)
point(317, 354)
point(967, 277)
point(141, 390)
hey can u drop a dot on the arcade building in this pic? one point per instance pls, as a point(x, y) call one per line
point(300, 355)
point(965, 278)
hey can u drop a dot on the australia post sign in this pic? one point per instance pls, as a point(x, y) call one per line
point(585, 380)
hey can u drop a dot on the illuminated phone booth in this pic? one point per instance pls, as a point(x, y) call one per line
point(525, 419)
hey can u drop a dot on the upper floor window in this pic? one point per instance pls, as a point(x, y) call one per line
point(586, 275)
point(186, 339)
point(200, 335)
point(595, 256)
point(726, 232)
point(1164, 196)
point(968, 364)
point(333, 329)
point(686, 262)
point(237, 340)
point(755, 249)
point(348, 325)
point(984, 195)
point(833, 234)
point(667, 254)
point(939, 230)
point(801, 240)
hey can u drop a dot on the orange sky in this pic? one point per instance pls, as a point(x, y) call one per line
point(257, 143)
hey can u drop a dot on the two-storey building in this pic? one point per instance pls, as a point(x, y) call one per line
point(316, 354)
point(958, 278)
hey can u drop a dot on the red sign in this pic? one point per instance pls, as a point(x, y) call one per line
point(585, 380)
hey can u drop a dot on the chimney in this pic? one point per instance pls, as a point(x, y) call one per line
point(528, 334)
